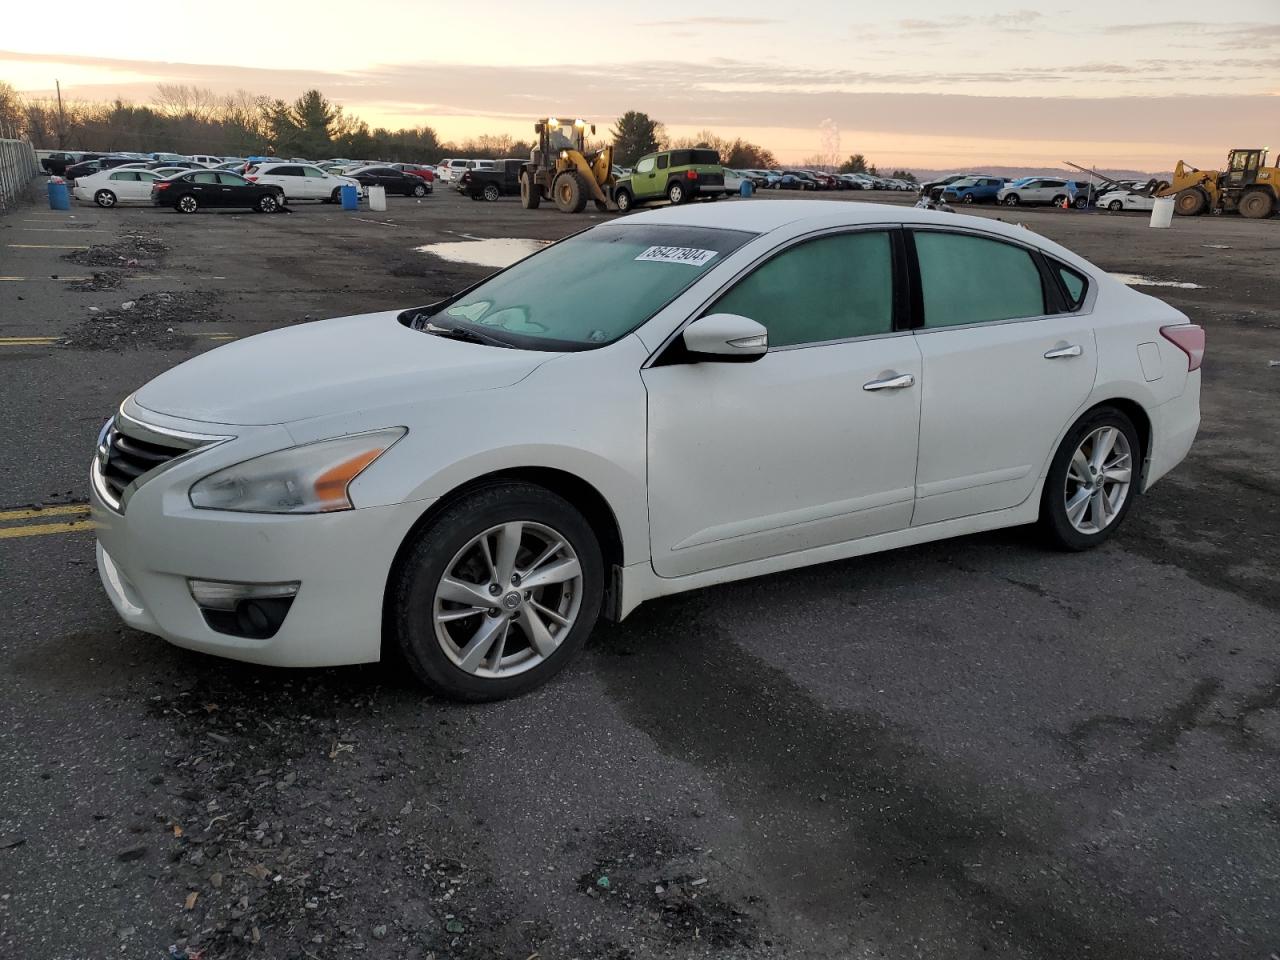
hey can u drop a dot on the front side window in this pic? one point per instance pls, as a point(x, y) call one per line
point(233, 180)
point(645, 165)
point(969, 279)
point(313, 172)
point(831, 288)
point(590, 289)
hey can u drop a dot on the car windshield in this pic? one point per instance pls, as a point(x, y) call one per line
point(586, 291)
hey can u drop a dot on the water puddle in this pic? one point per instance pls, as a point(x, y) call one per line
point(501, 252)
point(1137, 280)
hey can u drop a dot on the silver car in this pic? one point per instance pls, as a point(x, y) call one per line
point(1051, 190)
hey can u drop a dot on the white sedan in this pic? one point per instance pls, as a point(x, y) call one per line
point(670, 400)
point(1118, 200)
point(107, 188)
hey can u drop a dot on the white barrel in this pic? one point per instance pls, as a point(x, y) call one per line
point(1162, 212)
point(378, 199)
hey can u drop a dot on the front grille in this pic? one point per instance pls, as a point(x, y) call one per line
point(129, 457)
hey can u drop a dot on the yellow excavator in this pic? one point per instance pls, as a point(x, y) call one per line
point(559, 168)
point(1247, 185)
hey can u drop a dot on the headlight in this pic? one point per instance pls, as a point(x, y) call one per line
point(312, 478)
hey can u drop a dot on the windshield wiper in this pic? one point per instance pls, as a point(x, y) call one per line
point(463, 333)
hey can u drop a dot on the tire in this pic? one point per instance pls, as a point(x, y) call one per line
point(967, 198)
point(676, 193)
point(336, 196)
point(1059, 200)
point(105, 199)
point(1190, 202)
point(267, 203)
point(187, 203)
point(491, 192)
point(1012, 200)
point(1115, 206)
point(530, 193)
point(624, 200)
point(601, 206)
point(1081, 202)
point(419, 190)
point(448, 547)
point(1256, 205)
point(1062, 489)
point(570, 193)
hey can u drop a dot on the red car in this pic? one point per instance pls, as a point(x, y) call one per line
point(417, 170)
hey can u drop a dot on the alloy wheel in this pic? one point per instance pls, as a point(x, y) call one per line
point(1098, 480)
point(507, 599)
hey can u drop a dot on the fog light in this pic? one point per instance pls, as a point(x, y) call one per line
point(222, 595)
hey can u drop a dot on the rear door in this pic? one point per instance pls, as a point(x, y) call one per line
point(207, 189)
point(1006, 366)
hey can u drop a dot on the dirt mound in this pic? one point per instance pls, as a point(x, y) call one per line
point(154, 320)
point(132, 250)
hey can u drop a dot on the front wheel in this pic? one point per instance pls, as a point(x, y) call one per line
point(1012, 200)
point(267, 203)
point(105, 199)
point(1115, 206)
point(624, 200)
point(967, 198)
point(530, 193)
point(1092, 480)
point(498, 593)
point(419, 190)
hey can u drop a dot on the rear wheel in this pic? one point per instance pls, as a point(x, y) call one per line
point(267, 203)
point(1256, 205)
point(530, 193)
point(677, 194)
point(188, 204)
point(570, 193)
point(1092, 480)
point(1081, 202)
point(498, 593)
point(624, 200)
point(491, 192)
point(104, 199)
point(1190, 202)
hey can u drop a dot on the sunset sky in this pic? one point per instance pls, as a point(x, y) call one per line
point(930, 84)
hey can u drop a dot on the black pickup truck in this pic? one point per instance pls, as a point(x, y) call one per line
point(502, 180)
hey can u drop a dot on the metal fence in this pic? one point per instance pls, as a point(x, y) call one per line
point(17, 166)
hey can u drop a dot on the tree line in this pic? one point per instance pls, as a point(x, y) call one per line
point(188, 119)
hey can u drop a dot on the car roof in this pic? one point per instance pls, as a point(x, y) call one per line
point(765, 216)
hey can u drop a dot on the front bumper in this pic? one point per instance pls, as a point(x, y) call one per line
point(342, 561)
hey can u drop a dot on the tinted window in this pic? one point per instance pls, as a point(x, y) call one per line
point(594, 287)
point(663, 162)
point(283, 172)
point(123, 175)
point(968, 279)
point(831, 288)
point(145, 176)
point(312, 172)
point(233, 180)
point(1073, 283)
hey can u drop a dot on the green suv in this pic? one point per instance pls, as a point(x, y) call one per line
point(675, 175)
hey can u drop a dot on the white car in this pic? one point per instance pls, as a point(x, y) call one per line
point(107, 188)
point(451, 170)
point(732, 182)
point(1118, 200)
point(206, 160)
point(670, 400)
point(302, 181)
point(1051, 190)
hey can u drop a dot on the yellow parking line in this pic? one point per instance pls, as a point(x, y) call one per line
point(46, 246)
point(27, 341)
point(42, 529)
point(32, 513)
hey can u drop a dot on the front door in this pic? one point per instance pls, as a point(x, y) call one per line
point(813, 444)
point(644, 179)
point(1002, 375)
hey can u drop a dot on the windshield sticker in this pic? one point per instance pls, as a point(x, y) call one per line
point(689, 255)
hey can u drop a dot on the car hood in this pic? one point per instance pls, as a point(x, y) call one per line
point(331, 366)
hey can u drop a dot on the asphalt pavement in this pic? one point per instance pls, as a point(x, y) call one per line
point(976, 748)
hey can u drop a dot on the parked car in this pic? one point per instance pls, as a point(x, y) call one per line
point(188, 192)
point(55, 164)
point(302, 181)
point(733, 180)
point(423, 170)
point(973, 190)
point(107, 188)
point(933, 188)
point(450, 170)
point(501, 181)
point(86, 167)
point(791, 180)
point(170, 164)
point(1117, 200)
point(294, 498)
point(205, 160)
point(675, 175)
point(1050, 190)
point(164, 173)
point(825, 181)
point(392, 180)
point(851, 182)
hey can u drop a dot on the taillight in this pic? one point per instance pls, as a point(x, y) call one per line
point(251, 179)
point(1189, 338)
point(161, 185)
point(691, 174)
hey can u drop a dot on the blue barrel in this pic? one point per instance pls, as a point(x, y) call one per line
point(746, 189)
point(59, 196)
point(350, 198)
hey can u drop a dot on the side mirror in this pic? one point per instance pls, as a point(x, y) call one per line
point(725, 338)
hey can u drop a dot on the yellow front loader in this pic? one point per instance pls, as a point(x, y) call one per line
point(1247, 185)
point(560, 169)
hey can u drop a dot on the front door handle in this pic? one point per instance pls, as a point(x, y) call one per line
point(1057, 353)
point(897, 382)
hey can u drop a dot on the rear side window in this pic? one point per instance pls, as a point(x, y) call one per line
point(1074, 285)
point(205, 178)
point(831, 288)
point(124, 175)
point(663, 162)
point(968, 279)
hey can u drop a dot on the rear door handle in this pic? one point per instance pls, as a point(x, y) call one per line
point(1057, 353)
point(899, 382)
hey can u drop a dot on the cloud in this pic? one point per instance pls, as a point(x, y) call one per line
point(711, 22)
